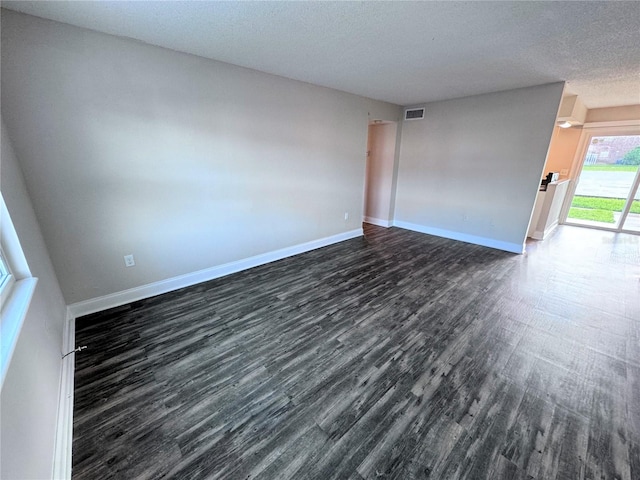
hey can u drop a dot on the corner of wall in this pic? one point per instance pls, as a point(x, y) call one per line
point(33, 421)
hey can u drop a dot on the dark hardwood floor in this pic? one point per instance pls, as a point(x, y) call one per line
point(397, 355)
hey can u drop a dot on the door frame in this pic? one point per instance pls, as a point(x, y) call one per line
point(589, 131)
point(368, 187)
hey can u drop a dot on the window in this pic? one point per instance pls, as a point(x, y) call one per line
point(7, 280)
point(16, 289)
point(606, 189)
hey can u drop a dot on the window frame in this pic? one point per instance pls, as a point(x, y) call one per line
point(590, 130)
point(17, 290)
point(7, 278)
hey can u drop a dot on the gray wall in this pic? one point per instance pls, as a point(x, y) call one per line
point(29, 398)
point(184, 162)
point(470, 170)
point(189, 163)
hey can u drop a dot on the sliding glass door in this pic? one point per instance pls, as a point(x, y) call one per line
point(631, 217)
point(606, 194)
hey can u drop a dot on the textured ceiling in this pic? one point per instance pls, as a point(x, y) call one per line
point(402, 52)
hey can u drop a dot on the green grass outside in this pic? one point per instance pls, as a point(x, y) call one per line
point(600, 209)
point(595, 215)
point(600, 203)
point(610, 168)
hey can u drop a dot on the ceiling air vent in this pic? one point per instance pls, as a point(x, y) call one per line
point(414, 114)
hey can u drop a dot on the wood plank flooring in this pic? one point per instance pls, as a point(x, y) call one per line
point(393, 356)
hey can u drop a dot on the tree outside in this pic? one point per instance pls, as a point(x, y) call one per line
point(632, 157)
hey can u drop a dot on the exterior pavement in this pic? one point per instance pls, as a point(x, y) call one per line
point(606, 184)
point(609, 185)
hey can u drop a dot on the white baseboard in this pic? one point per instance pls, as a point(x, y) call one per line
point(64, 427)
point(537, 235)
point(377, 221)
point(463, 237)
point(540, 235)
point(145, 291)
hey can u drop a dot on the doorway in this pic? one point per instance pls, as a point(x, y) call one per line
point(380, 173)
point(606, 193)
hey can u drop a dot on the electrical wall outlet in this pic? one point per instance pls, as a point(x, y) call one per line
point(346, 216)
point(564, 172)
point(129, 261)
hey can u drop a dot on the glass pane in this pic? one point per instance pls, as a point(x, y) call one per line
point(5, 277)
point(606, 180)
point(632, 222)
point(4, 269)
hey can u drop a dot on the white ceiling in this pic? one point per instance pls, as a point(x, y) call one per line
point(402, 52)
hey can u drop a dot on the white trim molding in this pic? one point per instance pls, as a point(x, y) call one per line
point(542, 234)
point(613, 123)
point(112, 300)
point(377, 221)
point(64, 428)
point(463, 237)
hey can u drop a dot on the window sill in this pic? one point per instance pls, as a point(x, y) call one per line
point(13, 314)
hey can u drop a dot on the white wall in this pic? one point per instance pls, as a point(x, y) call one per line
point(562, 150)
point(380, 170)
point(29, 398)
point(185, 162)
point(471, 169)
